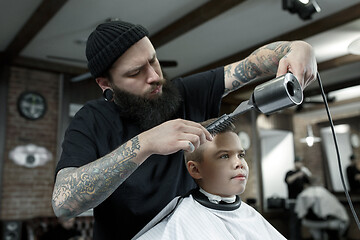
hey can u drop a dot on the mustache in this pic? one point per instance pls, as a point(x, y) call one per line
point(154, 85)
point(158, 83)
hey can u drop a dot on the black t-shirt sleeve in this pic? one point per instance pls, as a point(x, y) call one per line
point(79, 147)
point(202, 94)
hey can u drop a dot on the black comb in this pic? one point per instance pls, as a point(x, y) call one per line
point(219, 124)
point(225, 120)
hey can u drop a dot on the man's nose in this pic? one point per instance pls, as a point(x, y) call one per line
point(152, 75)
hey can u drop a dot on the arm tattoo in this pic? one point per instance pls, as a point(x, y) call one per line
point(227, 74)
point(262, 62)
point(267, 58)
point(280, 47)
point(245, 71)
point(88, 186)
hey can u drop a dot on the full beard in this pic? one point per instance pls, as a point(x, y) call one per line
point(148, 113)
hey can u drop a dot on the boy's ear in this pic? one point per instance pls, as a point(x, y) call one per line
point(193, 169)
point(103, 83)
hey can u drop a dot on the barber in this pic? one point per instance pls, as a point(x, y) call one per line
point(122, 154)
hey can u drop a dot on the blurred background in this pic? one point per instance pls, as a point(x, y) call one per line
point(44, 81)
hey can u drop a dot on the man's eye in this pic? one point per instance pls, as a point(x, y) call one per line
point(242, 155)
point(134, 74)
point(153, 60)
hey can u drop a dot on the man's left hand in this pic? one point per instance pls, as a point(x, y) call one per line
point(301, 62)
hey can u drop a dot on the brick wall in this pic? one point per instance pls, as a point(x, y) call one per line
point(312, 156)
point(26, 192)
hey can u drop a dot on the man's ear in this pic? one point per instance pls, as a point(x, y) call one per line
point(103, 83)
point(193, 169)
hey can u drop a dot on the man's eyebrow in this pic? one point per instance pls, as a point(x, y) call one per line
point(136, 68)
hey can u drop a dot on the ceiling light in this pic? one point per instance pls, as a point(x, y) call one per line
point(342, 128)
point(354, 47)
point(304, 8)
point(310, 138)
point(304, 1)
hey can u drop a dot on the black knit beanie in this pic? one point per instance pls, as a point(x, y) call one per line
point(108, 42)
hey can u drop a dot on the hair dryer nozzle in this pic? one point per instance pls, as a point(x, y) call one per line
point(279, 93)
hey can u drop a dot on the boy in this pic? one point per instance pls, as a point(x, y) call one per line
point(214, 210)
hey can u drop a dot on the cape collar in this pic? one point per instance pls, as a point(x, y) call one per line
point(223, 206)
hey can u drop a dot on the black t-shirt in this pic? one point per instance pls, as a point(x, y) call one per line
point(297, 186)
point(98, 128)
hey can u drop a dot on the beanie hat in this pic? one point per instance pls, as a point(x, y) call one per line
point(108, 42)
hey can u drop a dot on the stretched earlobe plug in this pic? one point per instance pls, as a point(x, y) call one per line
point(108, 95)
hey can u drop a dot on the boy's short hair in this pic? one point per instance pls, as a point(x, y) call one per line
point(196, 155)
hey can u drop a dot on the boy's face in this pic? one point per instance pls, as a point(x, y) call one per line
point(223, 170)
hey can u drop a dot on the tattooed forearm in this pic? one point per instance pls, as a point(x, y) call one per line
point(244, 72)
point(227, 70)
point(239, 74)
point(227, 75)
point(267, 58)
point(269, 61)
point(79, 189)
point(280, 47)
point(262, 62)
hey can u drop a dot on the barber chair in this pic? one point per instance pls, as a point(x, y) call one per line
point(324, 229)
point(322, 213)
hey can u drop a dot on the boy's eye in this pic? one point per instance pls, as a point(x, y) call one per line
point(224, 156)
point(242, 155)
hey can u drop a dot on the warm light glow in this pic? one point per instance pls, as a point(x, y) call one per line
point(342, 128)
point(354, 47)
point(310, 138)
point(310, 141)
point(304, 1)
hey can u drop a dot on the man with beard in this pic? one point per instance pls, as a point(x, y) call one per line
point(124, 156)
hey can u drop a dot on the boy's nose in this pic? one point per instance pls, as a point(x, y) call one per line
point(239, 163)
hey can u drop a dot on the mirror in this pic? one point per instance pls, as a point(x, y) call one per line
point(277, 158)
point(343, 139)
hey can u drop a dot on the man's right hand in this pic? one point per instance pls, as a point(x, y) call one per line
point(174, 135)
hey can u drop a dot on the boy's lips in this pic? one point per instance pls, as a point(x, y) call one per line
point(240, 176)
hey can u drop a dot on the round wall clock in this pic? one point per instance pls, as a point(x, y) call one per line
point(355, 140)
point(31, 105)
point(245, 140)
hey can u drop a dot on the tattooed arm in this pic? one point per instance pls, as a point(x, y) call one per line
point(275, 58)
point(79, 189)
